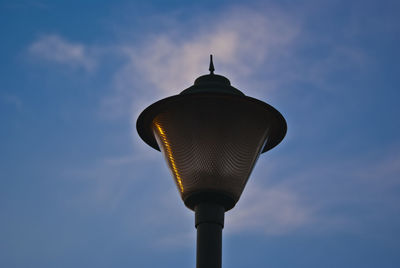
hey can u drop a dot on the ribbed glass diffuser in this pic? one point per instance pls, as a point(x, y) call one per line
point(211, 136)
point(211, 143)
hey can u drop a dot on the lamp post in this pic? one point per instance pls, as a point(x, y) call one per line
point(211, 136)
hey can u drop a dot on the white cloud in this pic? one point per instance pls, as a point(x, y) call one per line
point(240, 41)
point(54, 48)
point(272, 211)
point(322, 196)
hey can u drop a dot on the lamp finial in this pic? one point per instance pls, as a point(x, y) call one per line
point(211, 69)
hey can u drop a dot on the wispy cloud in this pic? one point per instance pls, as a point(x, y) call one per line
point(56, 49)
point(241, 41)
point(271, 211)
point(332, 196)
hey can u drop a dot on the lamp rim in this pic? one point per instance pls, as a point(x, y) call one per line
point(143, 124)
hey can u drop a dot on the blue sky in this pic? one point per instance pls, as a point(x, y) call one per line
point(78, 188)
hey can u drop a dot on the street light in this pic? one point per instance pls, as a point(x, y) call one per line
point(211, 136)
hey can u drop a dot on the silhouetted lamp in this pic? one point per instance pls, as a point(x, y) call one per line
point(211, 135)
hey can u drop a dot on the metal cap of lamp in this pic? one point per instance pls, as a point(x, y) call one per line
point(211, 135)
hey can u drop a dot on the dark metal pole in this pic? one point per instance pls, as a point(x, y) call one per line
point(209, 221)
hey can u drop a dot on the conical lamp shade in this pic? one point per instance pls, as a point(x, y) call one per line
point(211, 143)
point(211, 136)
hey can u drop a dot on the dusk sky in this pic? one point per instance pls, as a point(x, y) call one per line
point(79, 188)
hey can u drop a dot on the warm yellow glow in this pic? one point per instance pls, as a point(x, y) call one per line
point(170, 156)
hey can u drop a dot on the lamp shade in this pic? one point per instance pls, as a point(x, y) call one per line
point(211, 136)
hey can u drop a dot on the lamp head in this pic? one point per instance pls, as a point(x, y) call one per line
point(211, 136)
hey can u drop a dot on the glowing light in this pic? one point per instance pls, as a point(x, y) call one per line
point(170, 156)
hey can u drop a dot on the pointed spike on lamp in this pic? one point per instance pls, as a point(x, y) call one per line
point(211, 68)
point(211, 136)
